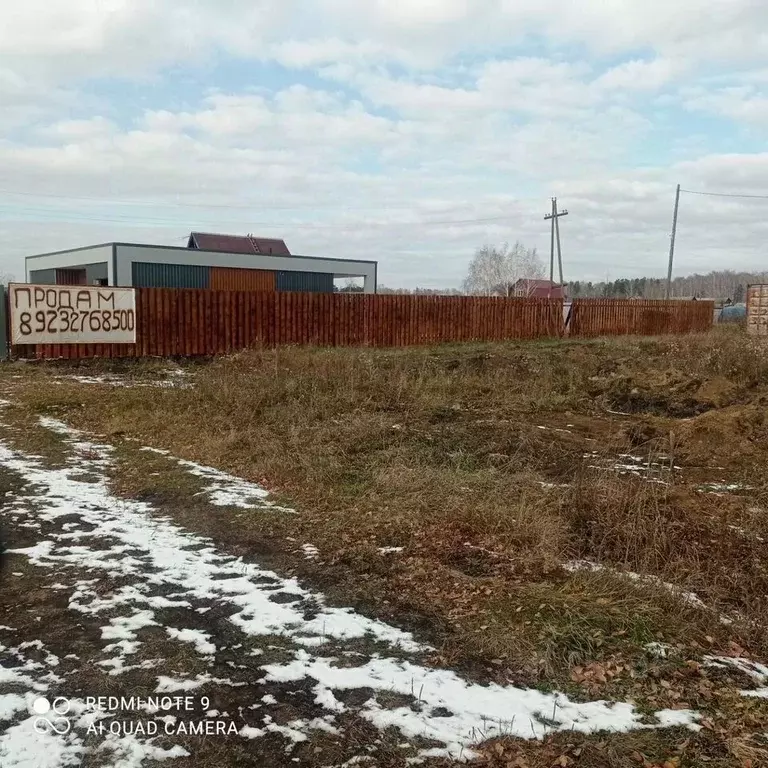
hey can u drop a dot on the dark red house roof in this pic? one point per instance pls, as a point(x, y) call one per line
point(538, 289)
point(205, 241)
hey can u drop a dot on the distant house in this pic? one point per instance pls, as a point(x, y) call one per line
point(537, 289)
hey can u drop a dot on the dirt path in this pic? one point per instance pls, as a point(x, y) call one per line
point(209, 659)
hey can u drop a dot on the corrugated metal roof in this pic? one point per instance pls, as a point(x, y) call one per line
point(266, 246)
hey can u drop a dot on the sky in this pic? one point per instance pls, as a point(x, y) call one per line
point(409, 132)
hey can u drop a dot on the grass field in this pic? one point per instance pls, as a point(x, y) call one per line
point(580, 516)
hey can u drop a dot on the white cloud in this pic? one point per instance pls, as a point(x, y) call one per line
point(743, 103)
point(640, 75)
point(58, 38)
point(431, 111)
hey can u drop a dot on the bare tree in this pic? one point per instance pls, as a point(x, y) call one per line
point(495, 269)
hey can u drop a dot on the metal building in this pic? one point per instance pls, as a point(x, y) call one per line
point(221, 262)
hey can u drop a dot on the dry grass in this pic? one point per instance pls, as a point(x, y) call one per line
point(491, 466)
point(440, 451)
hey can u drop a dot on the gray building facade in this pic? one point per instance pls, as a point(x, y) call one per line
point(133, 264)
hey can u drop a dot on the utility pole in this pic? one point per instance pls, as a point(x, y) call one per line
point(555, 218)
point(672, 242)
point(552, 244)
point(557, 235)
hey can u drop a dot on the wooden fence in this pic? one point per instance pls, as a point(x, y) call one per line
point(612, 317)
point(192, 322)
point(189, 322)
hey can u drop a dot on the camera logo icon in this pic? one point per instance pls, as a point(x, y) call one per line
point(51, 716)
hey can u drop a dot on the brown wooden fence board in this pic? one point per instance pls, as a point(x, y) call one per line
point(197, 322)
point(610, 317)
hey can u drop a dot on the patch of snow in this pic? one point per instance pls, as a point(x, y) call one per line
point(172, 685)
point(21, 746)
point(119, 667)
point(658, 650)
point(60, 742)
point(477, 712)
point(199, 639)
point(10, 705)
point(225, 490)
point(129, 752)
point(718, 489)
point(753, 669)
point(115, 380)
point(629, 464)
point(390, 550)
point(311, 552)
point(757, 693)
point(248, 732)
point(676, 718)
point(291, 731)
point(588, 565)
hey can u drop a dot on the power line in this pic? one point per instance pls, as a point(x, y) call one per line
point(75, 216)
point(175, 204)
point(256, 204)
point(675, 215)
point(724, 194)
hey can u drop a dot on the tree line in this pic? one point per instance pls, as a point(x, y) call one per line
point(718, 284)
point(494, 270)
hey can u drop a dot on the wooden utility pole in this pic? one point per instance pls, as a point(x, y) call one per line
point(554, 217)
point(672, 242)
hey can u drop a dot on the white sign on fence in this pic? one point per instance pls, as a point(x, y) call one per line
point(71, 314)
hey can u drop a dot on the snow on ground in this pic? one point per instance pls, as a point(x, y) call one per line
point(176, 380)
point(201, 640)
point(125, 542)
point(645, 468)
point(723, 488)
point(224, 490)
point(753, 669)
point(655, 581)
point(310, 551)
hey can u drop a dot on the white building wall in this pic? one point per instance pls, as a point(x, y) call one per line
point(77, 257)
